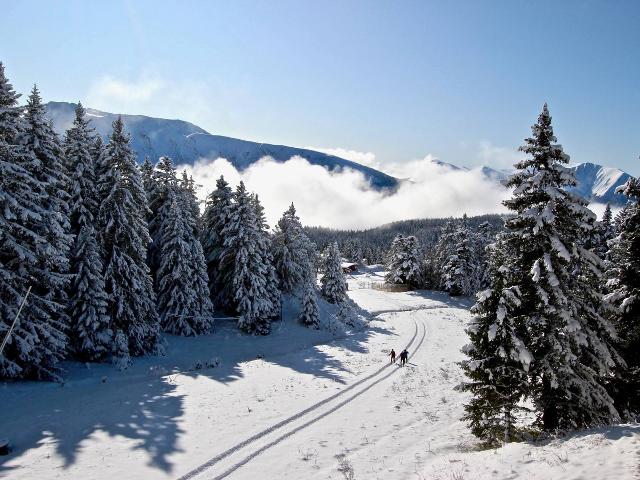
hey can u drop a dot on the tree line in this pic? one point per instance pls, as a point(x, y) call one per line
point(117, 253)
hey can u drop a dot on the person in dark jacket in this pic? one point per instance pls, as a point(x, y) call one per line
point(392, 354)
point(404, 356)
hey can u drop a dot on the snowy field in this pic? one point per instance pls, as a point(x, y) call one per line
point(296, 404)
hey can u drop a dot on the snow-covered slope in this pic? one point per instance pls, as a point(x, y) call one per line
point(296, 404)
point(185, 143)
point(598, 184)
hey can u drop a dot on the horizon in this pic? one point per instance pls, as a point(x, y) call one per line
point(315, 77)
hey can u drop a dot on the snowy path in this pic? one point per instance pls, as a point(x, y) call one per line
point(361, 386)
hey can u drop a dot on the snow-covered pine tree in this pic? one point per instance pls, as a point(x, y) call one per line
point(164, 181)
point(124, 237)
point(445, 247)
point(310, 315)
point(216, 217)
point(189, 196)
point(90, 333)
point(292, 251)
point(498, 361)
point(567, 337)
point(148, 182)
point(623, 283)
point(242, 265)
point(146, 174)
point(404, 262)
point(184, 304)
point(458, 273)
point(265, 249)
point(83, 201)
point(41, 141)
point(602, 233)
point(38, 341)
point(333, 284)
point(484, 236)
point(101, 168)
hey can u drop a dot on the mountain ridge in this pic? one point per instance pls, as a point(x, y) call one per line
point(186, 142)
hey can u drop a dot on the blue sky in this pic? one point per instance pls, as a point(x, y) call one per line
point(462, 80)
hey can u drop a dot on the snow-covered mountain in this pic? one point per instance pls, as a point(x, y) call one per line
point(595, 183)
point(185, 143)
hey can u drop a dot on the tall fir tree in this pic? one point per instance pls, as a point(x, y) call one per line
point(41, 141)
point(459, 271)
point(90, 332)
point(623, 283)
point(164, 181)
point(246, 275)
point(265, 249)
point(498, 360)
point(183, 295)
point(333, 284)
point(404, 262)
point(28, 245)
point(124, 237)
point(216, 217)
point(569, 340)
point(292, 251)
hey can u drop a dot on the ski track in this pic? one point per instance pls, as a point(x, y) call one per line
point(207, 465)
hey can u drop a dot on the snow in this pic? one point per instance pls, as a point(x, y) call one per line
point(299, 403)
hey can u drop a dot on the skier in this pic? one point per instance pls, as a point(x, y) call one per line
point(392, 354)
point(404, 355)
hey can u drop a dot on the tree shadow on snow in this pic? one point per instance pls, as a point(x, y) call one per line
point(142, 404)
point(62, 416)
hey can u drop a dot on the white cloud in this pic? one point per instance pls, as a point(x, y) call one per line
point(344, 200)
point(107, 91)
point(363, 158)
point(497, 157)
point(207, 102)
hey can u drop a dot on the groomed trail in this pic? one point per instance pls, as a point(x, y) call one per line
point(307, 415)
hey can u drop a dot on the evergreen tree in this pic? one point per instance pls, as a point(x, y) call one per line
point(292, 251)
point(124, 237)
point(27, 244)
point(216, 217)
point(499, 361)
point(83, 203)
point(568, 339)
point(189, 197)
point(101, 168)
point(310, 315)
point(91, 335)
point(90, 330)
point(459, 271)
point(243, 265)
point(484, 236)
point(403, 262)
point(183, 295)
point(265, 249)
point(333, 284)
point(444, 249)
point(624, 286)
point(43, 144)
point(146, 174)
point(164, 181)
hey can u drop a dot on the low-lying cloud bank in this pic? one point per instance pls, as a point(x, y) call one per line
point(345, 200)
